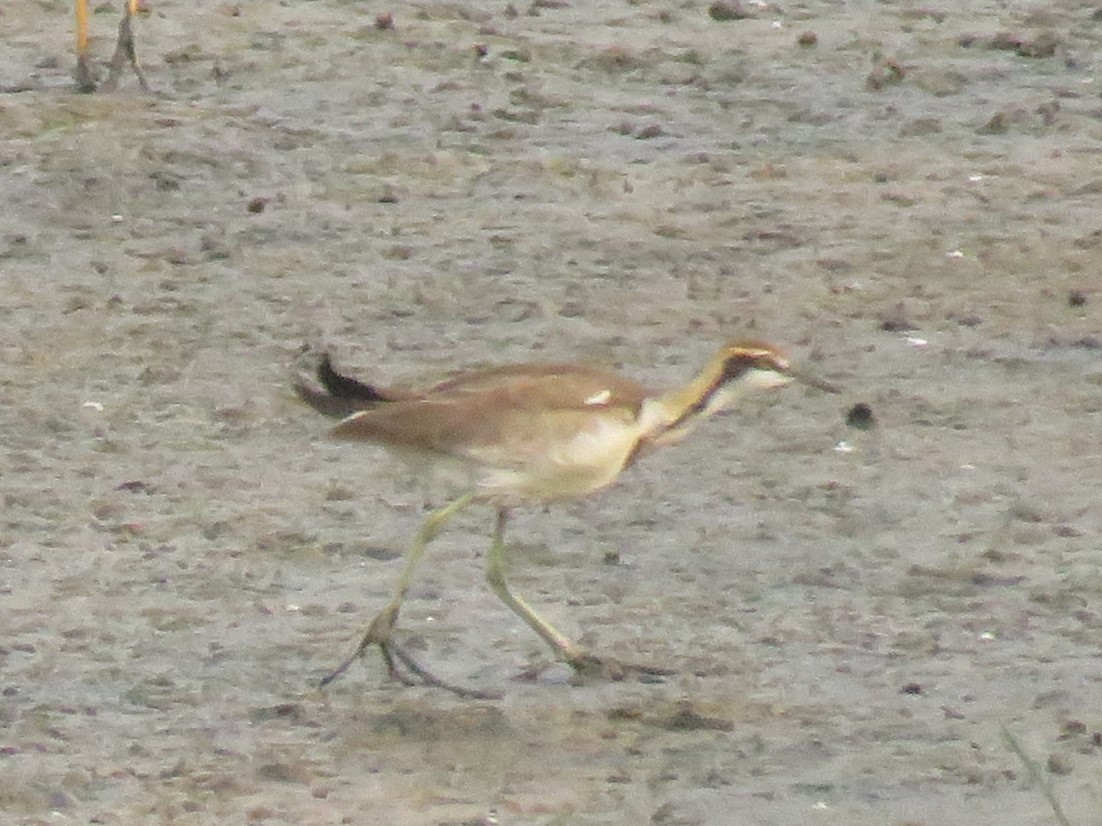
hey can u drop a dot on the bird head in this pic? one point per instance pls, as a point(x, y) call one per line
point(751, 365)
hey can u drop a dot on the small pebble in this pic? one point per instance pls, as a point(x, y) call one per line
point(860, 416)
point(1072, 728)
point(727, 10)
point(1058, 764)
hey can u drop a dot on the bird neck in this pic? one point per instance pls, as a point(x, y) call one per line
point(677, 411)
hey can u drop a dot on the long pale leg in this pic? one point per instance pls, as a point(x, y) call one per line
point(124, 50)
point(565, 648)
point(85, 83)
point(379, 631)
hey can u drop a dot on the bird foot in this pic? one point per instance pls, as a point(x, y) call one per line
point(378, 633)
point(86, 82)
point(125, 53)
point(419, 675)
point(400, 665)
point(406, 670)
point(589, 667)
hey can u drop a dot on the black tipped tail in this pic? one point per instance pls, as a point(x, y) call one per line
point(346, 387)
point(334, 394)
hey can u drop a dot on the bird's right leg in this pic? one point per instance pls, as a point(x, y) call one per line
point(85, 81)
point(379, 631)
point(566, 650)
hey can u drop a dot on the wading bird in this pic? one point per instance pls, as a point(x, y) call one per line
point(526, 433)
point(124, 49)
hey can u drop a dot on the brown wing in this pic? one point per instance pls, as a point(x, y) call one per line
point(504, 416)
point(566, 381)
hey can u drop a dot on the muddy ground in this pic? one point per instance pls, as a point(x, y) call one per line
point(908, 199)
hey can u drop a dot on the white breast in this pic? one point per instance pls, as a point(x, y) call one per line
point(589, 460)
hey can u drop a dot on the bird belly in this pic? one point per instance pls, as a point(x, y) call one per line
point(586, 461)
point(449, 472)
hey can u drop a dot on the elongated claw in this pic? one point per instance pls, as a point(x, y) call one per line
point(587, 666)
point(424, 677)
point(404, 669)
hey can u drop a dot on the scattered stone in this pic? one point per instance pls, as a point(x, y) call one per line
point(165, 181)
point(1058, 764)
point(966, 319)
point(1048, 112)
point(281, 772)
point(686, 718)
point(885, 72)
point(919, 127)
point(860, 416)
point(178, 256)
point(135, 486)
point(1072, 728)
point(1043, 45)
point(998, 124)
point(728, 10)
point(280, 711)
point(807, 39)
point(1004, 41)
point(213, 247)
point(940, 82)
point(897, 321)
point(834, 264)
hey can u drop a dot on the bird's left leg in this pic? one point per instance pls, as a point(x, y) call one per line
point(124, 49)
point(381, 627)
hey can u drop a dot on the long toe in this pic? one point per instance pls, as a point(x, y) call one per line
point(587, 666)
point(412, 672)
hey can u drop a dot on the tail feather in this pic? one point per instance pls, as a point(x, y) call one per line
point(336, 395)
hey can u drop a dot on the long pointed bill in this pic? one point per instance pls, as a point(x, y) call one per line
point(814, 381)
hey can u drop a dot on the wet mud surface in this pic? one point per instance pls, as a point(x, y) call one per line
point(906, 197)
